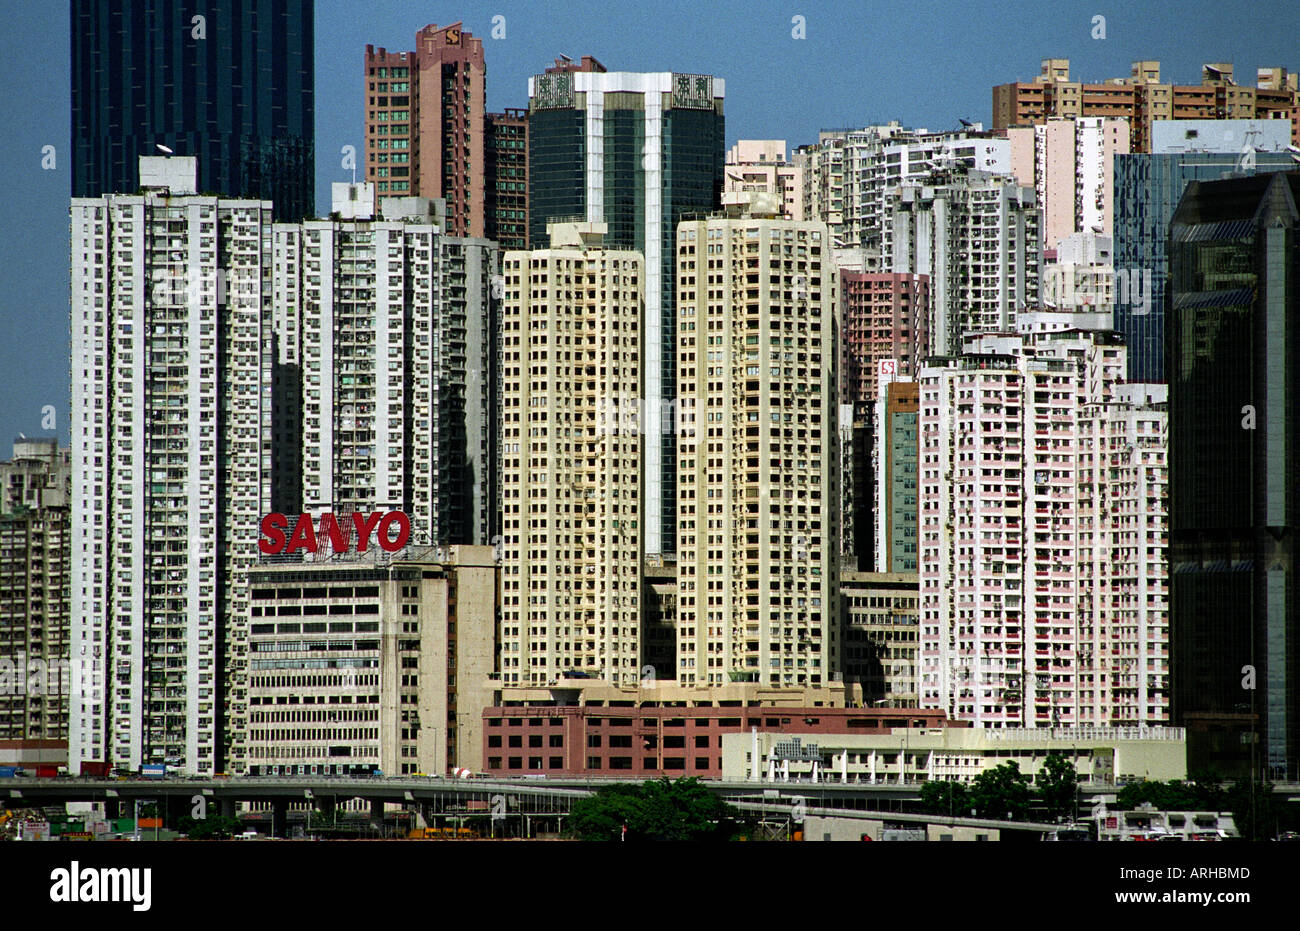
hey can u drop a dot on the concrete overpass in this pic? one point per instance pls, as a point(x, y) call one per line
point(517, 804)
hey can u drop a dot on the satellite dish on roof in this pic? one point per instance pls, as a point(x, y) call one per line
point(162, 148)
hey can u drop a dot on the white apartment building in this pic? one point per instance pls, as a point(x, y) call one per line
point(1069, 161)
point(847, 173)
point(760, 166)
point(1082, 278)
point(171, 461)
point(758, 465)
point(821, 168)
point(572, 460)
point(397, 326)
point(977, 236)
point(1043, 566)
point(909, 158)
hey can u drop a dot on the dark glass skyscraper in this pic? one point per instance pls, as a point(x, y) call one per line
point(1147, 189)
point(230, 83)
point(1233, 352)
point(638, 152)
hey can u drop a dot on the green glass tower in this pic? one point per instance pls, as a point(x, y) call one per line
point(1232, 344)
point(230, 83)
point(637, 151)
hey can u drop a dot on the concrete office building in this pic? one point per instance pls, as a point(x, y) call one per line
point(239, 97)
point(373, 660)
point(757, 494)
point(1142, 98)
point(760, 166)
point(977, 236)
point(1147, 190)
point(172, 445)
point(397, 354)
point(425, 125)
point(573, 460)
point(1043, 565)
point(35, 546)
point(882, 638)
point(1234, 266)
point(922, 751)
point(637, 152)
point(1068, 161)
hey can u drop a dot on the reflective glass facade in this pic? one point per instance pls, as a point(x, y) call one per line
point(689, 139)
point(1234, 397)
point(230, 83)
point(1147, 189)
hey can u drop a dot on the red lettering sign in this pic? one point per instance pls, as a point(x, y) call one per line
point(394, 532)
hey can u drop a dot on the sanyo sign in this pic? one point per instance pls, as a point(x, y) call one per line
point(393, 531)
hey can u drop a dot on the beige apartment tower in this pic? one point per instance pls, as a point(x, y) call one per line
point(572, 460)
point(757, 457)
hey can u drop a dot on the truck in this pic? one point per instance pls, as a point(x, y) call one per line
point(47, 771)
point(10, 772)
point(94, 769)
point(154, 771)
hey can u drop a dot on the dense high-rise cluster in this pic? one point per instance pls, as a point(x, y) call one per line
point(993, 425)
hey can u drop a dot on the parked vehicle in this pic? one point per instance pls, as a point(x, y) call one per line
point(94, 769)
point(154, 771)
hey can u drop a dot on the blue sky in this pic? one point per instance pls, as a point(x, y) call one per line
point(923, 63)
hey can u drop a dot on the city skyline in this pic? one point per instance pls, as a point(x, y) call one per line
point(763, 102)
point(742, 422)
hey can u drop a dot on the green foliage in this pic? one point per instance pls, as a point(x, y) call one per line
point(1057, 786)
point(1200, 795)
point(662, 810)
point(215, 827)
point(1001, 791)
point(945, 798)
point(1260, 815)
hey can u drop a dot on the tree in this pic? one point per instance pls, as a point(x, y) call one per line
point(1170, 796)
point(214, 827)
point(1057, 785)
point(1001, 791)
point(661, 810)
point(945, 798)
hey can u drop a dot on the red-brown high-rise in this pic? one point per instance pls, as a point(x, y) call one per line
point(425, 124)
